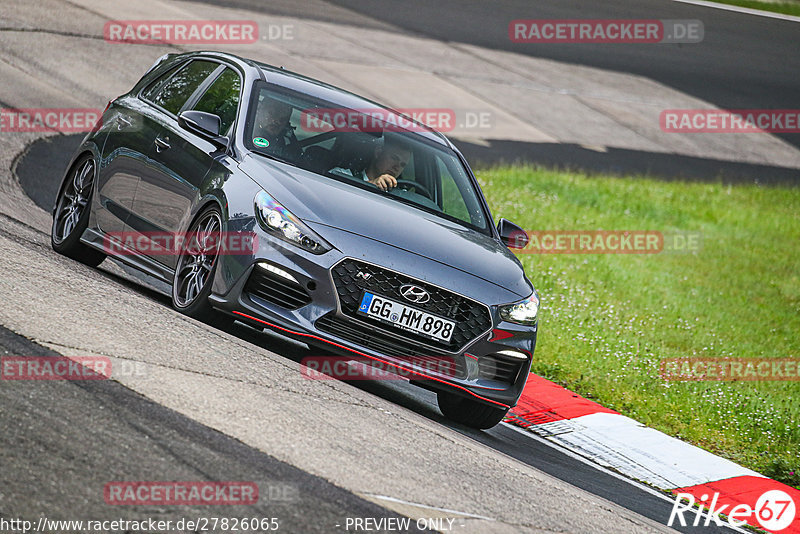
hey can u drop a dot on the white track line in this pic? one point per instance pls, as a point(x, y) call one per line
point(614, 474)
point(426, 507)
point(738, 9)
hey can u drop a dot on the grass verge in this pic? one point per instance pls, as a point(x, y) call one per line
point(607, 320)
point(786, 8)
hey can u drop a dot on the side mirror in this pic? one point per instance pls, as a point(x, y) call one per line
point(205, 125)
point(512, 235)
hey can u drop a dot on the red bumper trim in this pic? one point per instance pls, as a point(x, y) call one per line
point(427, 377)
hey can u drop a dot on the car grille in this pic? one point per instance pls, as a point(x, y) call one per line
point(495, 367)
point(276, 289)
point(352, 278)
point(391, 344)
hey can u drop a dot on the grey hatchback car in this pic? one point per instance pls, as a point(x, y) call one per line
point(288, 204)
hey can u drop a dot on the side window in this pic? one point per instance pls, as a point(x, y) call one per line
point(452, 201)
point(174, 94)
point(222, 98)
point(153, 88)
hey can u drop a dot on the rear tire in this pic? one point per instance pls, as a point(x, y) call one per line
point(469, 412)
point(71, 216)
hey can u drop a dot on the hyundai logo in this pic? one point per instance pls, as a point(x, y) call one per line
point(414, 294)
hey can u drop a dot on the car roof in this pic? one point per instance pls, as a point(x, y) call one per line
point(325, 91)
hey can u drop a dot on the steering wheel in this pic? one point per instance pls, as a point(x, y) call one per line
point(418, 188)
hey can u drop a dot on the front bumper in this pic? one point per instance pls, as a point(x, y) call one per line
point(488, 362)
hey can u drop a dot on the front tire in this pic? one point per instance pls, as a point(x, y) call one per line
point(197, 264)
point(71, 216)
point(469, 412)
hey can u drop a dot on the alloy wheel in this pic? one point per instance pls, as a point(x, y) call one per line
point(197, 260)
point(74, 200)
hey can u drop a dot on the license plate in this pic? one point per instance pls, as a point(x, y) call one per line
point(405, 317)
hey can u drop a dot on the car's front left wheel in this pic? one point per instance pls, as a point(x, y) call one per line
point(469, 412)
point(71, 216)
point(197, 263)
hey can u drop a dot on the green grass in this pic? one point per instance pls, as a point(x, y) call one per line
point(607, 320)
point(787, 8)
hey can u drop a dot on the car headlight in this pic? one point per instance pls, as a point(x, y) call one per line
point(525, 311)
point(280, 222)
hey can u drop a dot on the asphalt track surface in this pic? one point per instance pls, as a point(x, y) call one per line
point(47, 158)
point(66, 439)
point(743, 62)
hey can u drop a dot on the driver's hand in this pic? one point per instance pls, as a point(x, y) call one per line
point(384, 182)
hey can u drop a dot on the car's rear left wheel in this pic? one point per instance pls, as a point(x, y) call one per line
point(469, 412)
point(71, 216)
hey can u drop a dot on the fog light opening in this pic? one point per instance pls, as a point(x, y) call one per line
point(277, 271)
point(513, 354)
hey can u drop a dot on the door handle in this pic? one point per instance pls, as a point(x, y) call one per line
point(162, 144)
point(123, 122)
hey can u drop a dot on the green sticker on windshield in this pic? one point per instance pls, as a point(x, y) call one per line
point(260, 141)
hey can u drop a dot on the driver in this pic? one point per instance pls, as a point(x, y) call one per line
point(272, 124)
point(386, 164)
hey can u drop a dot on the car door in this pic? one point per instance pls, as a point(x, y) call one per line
point(125, 153)
point(180, 159)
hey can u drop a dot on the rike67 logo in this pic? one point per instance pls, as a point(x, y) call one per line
point(774, 511)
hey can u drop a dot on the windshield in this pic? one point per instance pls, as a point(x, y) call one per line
point(361, 146)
